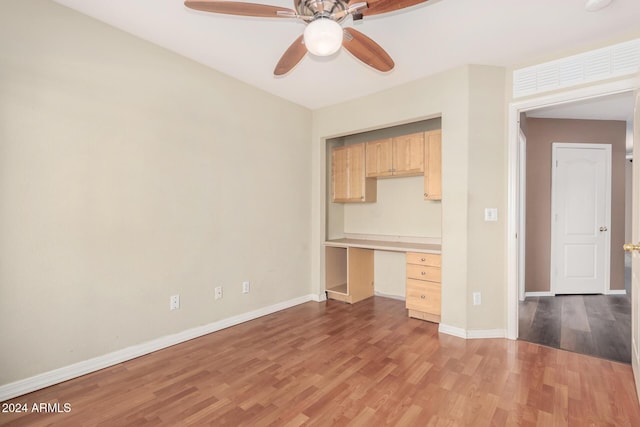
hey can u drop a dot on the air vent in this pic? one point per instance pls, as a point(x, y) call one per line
point(609, 62)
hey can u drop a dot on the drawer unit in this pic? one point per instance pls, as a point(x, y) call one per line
point(423, 286)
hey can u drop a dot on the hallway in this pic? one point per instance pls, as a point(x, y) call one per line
point(597, 325)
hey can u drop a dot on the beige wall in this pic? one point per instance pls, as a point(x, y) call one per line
point(470, 101)
point(541, 133)
point(128, 174)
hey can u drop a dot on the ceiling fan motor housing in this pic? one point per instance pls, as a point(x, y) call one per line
point(322, 8)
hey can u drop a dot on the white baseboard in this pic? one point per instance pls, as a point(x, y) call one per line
point(472, 333)
point(486, 333)
point(538, 294)
point(452, 330)
point(46, 379)
point(549, 294)
point(319, 297)
point(398, 297)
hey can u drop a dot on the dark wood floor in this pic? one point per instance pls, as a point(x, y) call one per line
point(597, 325)
point(331, 363)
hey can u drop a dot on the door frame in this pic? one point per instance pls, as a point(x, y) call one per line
point(514, 191)
point(607, 219)
point(522, 212)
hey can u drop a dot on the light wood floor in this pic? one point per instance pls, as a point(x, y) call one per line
point(331, 363)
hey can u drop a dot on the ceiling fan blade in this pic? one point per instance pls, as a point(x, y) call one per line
point(366, 50)
point(240, 8)
point(291, 57)
point(377, 7)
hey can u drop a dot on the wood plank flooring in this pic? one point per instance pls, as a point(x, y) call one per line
point(365, 364)
point(597, 325)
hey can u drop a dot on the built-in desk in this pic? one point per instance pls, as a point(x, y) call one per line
point(349, 265)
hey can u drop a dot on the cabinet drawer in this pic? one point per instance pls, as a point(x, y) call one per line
point(423, 296)
point(424, 259)
point(423, 272)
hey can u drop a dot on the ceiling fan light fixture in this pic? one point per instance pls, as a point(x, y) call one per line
point(323, 37)
point(595, 5)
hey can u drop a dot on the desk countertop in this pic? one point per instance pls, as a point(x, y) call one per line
point(385, 245)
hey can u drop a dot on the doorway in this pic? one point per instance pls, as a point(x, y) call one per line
point(567, 320)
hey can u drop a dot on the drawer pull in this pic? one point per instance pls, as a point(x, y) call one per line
point(423, 259)
point(423, 272)
point(422, 297)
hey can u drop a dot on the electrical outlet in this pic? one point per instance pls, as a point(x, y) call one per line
point(246, 287)
point(174, 302)
point(477, 298)
point(218, 292)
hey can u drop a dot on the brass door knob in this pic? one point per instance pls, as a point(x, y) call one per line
point(630, 247)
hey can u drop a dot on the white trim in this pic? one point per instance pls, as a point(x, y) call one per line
point(452, 330)
point(472, 333)
point(515, 108)
point(75, 370)
point(538, 294)
point(522, 209)
point(616, 292)
point(635, 363)
point(486, 333)
point(396, 297)
point(318, 297)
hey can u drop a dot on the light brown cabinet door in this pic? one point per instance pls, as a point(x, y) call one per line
point(339, 176)
point(433, 165)
point(379, 158)
point(408, 155)
point(356, 171)
point(349, 183)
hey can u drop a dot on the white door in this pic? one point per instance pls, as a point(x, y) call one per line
point(580, 216)
point(635, 258)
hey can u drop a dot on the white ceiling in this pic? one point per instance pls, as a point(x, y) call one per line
point(612, 107)
point(423, 40)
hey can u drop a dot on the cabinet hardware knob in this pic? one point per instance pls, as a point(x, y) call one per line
point(422, 297)
point(423, 259)
point(423, 273)
point(426, 194)
point(603, 228)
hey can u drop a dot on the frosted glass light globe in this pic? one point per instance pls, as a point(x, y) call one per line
point(323, 37)
point(596, 5)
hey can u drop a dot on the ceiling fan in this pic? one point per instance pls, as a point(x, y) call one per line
point(323, 34)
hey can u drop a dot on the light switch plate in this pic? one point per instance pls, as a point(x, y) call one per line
point(491, 214)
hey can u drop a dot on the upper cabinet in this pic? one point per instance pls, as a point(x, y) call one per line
point(355, 167)
point(433, 165)
point(408, 155)
point(379, 158)
point(398, 156)
point(349, 183)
